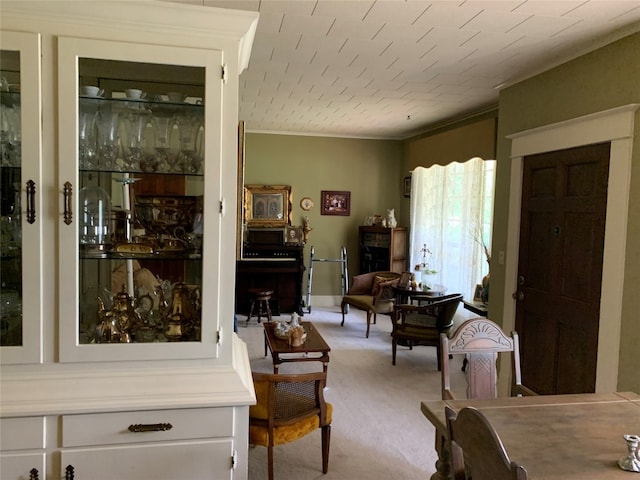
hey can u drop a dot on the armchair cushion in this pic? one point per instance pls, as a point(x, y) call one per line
point(383, 288)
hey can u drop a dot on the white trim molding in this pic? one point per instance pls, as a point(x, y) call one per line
point(616, 126)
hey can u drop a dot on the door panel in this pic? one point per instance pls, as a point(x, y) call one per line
point(560, 267)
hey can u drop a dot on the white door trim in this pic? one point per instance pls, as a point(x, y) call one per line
point(615, 126)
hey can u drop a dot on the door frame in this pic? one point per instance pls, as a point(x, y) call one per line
point(616, 126)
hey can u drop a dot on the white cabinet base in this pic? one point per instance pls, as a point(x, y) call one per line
point(165, 461)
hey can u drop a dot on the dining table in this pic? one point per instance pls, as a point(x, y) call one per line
point(555, 437)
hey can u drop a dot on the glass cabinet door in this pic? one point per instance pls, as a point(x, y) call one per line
point(21, 221)
point(139, 139)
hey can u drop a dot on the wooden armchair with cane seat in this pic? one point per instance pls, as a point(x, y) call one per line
point(371, 292)
point(423, 324)
point(476, 450)
point(481, 340)
point(288, 408)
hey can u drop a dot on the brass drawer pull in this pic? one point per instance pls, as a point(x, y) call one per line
point(31, 209)
point(150, 427)
point(68, 192)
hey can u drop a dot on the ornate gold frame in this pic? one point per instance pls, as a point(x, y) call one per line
point(267, 205)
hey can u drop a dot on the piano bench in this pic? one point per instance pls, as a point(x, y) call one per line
point(261, 297)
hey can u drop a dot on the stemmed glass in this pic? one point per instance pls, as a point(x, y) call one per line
point(87, 134)
point(136, 123)
point(163, 125)
point(108, 123)
point(190, 125)
point(11, 135)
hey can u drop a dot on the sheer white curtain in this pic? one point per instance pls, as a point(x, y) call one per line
point(451, 213)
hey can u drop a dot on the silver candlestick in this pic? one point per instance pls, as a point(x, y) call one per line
point(631, 462)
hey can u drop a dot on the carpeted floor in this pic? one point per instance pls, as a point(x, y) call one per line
point(378, 431)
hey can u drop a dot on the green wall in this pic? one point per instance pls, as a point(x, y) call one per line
point(373, 170)
point(369, 169)
point(606, 78)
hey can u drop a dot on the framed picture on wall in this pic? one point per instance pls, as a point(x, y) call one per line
point(335, 203)
point(406, 186)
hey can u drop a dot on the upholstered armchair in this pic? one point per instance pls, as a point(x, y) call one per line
point(371, 292)
point(289, 407)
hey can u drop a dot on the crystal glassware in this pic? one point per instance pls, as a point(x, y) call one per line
point(136, 122)
point(108, 123)
point(189, 159)
point(164, 159)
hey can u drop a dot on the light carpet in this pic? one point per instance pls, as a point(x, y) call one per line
point(378, 430)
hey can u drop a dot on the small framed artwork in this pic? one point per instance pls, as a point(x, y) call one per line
point(477, 294)
point(293, 235)
point(335, 203)
point(406, 186)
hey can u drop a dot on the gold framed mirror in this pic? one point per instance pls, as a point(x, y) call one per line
point(267, 205)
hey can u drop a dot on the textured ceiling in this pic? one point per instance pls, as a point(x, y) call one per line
point(392, 68)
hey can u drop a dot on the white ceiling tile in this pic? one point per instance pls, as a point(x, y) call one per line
point(357, 67)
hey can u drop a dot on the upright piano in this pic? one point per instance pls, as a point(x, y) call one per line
point(276, 267)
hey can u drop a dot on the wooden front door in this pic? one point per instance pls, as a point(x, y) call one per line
point(564, 195)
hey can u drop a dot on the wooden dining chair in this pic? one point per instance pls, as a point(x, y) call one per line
point(476, 450)
point(481, 340)
point(288, 408)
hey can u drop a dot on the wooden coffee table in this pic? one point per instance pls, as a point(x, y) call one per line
point(314, 349)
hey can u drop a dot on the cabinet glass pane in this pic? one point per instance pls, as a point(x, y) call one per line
point(11, 326)
point(140, 201)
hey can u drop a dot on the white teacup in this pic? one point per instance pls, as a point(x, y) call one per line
point(176, 97)
point(135, 94)
point(91, 91)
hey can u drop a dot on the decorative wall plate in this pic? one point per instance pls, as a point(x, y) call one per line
point(306, 203)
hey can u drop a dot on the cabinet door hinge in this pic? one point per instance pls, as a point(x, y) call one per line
point(223, 73)
point(219, 336)
point(234, 459)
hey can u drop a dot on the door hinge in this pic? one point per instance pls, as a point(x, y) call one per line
point(223, 73)
point(234, 459)
point(222, 207)
point(219, 336)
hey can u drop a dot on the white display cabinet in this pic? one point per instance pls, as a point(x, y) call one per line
point(118, 357)
point(21, 222)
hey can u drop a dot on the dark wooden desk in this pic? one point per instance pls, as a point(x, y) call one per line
point(476, 307)
point(555, 437)
point(408, 295)
point(314, 349)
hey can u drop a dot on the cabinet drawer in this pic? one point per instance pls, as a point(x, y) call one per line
point(21, 433)
point(167, 461)
point(113, 428)
point(16, 466)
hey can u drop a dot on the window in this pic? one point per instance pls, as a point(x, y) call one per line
point(452, 213)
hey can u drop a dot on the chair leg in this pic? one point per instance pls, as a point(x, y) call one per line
point(342, 305)
point(251, 310)
point(270, 461)
point(394, 347)
point(368, 323)
point(326, 440)
point(268, 308)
